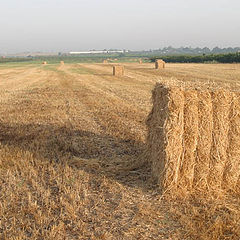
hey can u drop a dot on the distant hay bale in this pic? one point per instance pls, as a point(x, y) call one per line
point(105, 61)
point(44, 63)
point(118, 70)
point(194, 138)
point(140, 61)
point(159, 63)
point(62, 62)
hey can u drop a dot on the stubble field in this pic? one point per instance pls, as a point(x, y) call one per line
point(73, 159)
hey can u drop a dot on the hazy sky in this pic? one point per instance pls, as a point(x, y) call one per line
point(65, 25)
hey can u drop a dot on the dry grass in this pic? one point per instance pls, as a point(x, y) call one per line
point(71, 154)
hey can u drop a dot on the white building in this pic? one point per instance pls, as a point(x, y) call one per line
point(98, 52)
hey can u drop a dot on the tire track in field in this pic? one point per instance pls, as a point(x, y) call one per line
point(123, 116)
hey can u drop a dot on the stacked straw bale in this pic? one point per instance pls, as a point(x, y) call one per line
point(159, 64)
point(118, 70)
point(194, 138)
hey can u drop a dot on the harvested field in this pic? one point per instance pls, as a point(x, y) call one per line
point(73, 161)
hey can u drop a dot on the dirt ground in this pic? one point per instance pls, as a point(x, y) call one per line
point(72, 155)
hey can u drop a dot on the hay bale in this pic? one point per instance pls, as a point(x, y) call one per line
point(105, 61)
point(44, 63)
point(166, 127)
point(140, 61)
point(118, 70)
point(159, 64)
point(194, 138)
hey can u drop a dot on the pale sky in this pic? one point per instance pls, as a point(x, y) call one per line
point(74, 25)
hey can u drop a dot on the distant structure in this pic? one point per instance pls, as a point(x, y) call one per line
point(118, 70)
point(140, 61)
point(99, 52)
point(44, 63)
point(159, 63)
point(105, 61)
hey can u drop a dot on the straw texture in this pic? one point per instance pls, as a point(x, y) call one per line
point(204, 142)
point(232, 168)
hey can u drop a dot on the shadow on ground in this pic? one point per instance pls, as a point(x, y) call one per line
point(118, 159)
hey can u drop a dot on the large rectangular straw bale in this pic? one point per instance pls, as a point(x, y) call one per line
point(194, 138)
point(118, 70)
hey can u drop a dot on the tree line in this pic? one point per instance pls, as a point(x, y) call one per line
point(14, 59)
point(218, 58)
